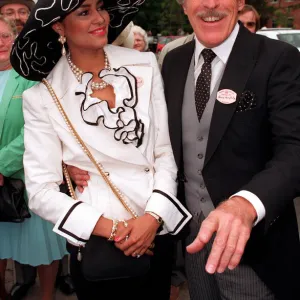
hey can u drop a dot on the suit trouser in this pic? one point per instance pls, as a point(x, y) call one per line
point(178, 272)
point(240, 284)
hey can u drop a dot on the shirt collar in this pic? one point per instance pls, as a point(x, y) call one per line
point(222, 51)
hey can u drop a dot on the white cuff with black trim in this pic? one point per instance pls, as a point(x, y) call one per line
point(168, 207)
point(78, 223)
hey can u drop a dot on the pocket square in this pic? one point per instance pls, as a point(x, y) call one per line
point(246, 102)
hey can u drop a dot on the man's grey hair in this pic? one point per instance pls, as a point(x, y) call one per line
point(180, 1)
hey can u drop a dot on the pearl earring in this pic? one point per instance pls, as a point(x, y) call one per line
point(62, 40)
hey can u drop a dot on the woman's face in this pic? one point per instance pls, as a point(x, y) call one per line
point(6, 42)
point(86, 28)
point(139, 42)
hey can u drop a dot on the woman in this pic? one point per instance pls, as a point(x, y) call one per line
point(114, 98)
point(137, 39)
point(31, 242)
point(119, 41)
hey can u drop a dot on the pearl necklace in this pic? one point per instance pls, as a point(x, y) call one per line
point(96, 86)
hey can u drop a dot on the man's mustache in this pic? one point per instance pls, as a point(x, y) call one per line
point(18, 22)
point(212, 13)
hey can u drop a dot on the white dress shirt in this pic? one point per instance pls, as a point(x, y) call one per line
point(218, 65)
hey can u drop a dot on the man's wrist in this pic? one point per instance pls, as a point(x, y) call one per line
point(249, 208)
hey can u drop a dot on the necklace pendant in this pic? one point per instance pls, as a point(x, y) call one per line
point(79, 254)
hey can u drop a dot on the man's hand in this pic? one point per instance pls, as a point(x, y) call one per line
point(1, 180)
point(232, 221)
point(80, 177)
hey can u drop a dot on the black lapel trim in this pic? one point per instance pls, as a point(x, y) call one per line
point(238, 69)
point(175, 77)
point(61, 225)
point(184, 215)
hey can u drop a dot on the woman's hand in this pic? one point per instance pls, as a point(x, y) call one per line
point(80, 177)
point(140, 234)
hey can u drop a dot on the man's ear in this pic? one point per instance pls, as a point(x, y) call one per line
point(58, 28)
point(241, 4)
point(184, 7)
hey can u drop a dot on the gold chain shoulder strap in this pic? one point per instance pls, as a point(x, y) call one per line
point(98, 165)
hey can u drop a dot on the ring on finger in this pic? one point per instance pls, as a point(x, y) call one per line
point(152, 245)
point(126, 237)
point(125, 223)
point(138, 256)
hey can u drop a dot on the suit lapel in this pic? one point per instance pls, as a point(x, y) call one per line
point(175, 97)
point(10, 88)
point(238, 69)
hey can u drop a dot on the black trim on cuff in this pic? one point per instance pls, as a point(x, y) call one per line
point(185, 216)
point(60, 227)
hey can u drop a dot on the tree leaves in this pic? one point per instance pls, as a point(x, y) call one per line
point(163, 16)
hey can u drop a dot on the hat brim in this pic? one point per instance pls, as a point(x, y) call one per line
point(36, 49)
point(29, 3)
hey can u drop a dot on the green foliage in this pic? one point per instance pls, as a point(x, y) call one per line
point(148, 17)
point(162, 16)
point(263, 9)
point(172, 17)
point(166, 16)
point(281, 18)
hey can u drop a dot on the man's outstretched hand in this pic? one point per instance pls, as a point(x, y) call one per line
point(232, 221)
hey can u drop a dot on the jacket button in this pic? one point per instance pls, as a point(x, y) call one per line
point(147, 170)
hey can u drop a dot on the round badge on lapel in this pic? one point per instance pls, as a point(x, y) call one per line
point(140, 81)
point(226, 96)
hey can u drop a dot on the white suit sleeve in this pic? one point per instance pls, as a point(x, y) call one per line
point(163, 201)
point(73, 220)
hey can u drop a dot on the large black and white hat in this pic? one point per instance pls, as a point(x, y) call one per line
point(37, 50)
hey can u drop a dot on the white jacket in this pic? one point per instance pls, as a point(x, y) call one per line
point(145, 174)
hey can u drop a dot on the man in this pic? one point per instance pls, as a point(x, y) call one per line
point(17, 10)
point(250, 18)
point(172, 45)
point(234, 107)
